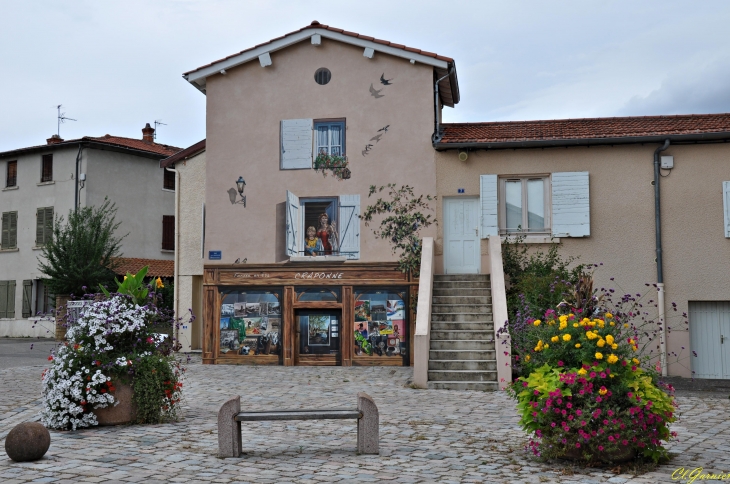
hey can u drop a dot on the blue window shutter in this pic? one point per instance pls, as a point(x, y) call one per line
point(488, 205)
point(296, 144)
point(349, 226)
point(294, 242)
point(726, 206)
point(571, 211)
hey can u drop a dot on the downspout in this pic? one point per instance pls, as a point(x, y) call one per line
point(176, 256)
point(76, 178)
point(659, 267)
point(436, 137)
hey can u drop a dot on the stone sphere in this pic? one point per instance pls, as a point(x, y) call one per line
point(27, 441)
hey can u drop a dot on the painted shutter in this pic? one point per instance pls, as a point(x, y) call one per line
point(571, 211)
point(488, 206)
point(349, 226)
point(12, 230)
point(27, 298)
point(726, 205)
point(48, 228)
point(296, 144)
point(3, 299)
point(40, 224)
point(293, 226)
point(5, 240)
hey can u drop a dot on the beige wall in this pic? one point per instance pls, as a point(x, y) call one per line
point(244, 110)
point(696, 252)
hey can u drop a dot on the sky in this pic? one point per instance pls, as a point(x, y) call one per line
point(115, 66)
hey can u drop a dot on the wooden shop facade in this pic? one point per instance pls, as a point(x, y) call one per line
point(308, 314)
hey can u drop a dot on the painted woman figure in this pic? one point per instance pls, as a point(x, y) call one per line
point(327, 234)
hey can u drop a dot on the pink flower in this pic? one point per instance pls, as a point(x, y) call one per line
point(610, 438)
point(625, 442)
point(552, 424)
point(524, 383)
point(577, 444)
point(603, 374)
point(569, 405)
point(593, 374)
point(560, 363)
point(600, 448)
point(610, 413)
point(579, 412)
point(536, 392)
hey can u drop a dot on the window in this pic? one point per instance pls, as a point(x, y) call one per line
point(43, 300)
point(329, 138)
point(11, 178)
point(327, 226)
point(7, 299)
point(169, 180)
point(524, 202)
point(250, 322)
point(43, 226)
point(47, 168)
point(322, 76)
point(168, 232)
point(380, 323)
point(9, 231)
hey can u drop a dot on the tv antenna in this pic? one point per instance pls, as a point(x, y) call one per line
point(157, 123)
point(62, 118)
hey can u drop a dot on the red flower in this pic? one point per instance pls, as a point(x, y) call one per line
point(50, 358)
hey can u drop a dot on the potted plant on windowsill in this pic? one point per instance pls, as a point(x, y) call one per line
point(336, 164)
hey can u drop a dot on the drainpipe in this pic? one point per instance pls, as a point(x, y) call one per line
point(659, 267)
point(76, 179)
point(436, 137)
point(176, 256)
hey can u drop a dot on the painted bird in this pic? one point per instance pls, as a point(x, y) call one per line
point(376, 138)
point(384, 81)
point(384, 129)
point(375, 93)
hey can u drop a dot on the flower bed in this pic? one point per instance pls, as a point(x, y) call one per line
point(586, 395)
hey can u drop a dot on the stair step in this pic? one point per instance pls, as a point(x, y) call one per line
point(460, 308)
point(451, 300)
point(462, 365)
point(462, 326)
point(444, 344)
point(462, 334)
point(461, 355)
point(461, 285)
point(462, 375)
point(455, 317)
point(462, 292)
point(461, 277)
point(463, 385)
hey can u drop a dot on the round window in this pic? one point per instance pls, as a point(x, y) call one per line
point(322, 76)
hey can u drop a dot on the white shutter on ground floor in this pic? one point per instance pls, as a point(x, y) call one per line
point(726, 205)
point(293, 225)
point(349, 226)
point(571, 214)
point(488, 206)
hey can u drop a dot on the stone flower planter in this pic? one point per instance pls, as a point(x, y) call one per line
point(123, 413)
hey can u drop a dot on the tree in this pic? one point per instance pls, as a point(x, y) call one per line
point(82, 251)
point(402, 224)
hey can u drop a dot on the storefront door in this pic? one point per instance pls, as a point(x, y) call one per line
point(318, 337)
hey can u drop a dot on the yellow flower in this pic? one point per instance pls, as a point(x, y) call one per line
point(636, 362)
point(612, 358)
point(159, 283)
point(612, 323)
point(555, 339)
point(609, 339)
point(626, 325)
point(563, 318)
point(609, 315)
point(575, 325)
point(631, 341)
point(125, 278)
point(601, 343)
point(547, 346)
point(527, 358)
point(582, 371)
point(603, 390)
point(551, 322)
point(577, 345)
point(566, 337)
point(562, 325)
point(614, 346)
point(611, 375)
point(601, 324)
point(585, 321)
point(537, 322)
point(635, 347)
point(539, 346)
point(599, 356)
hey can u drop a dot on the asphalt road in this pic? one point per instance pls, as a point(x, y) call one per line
point(16, 352)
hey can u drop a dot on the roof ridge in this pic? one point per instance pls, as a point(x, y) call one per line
point(651, 116)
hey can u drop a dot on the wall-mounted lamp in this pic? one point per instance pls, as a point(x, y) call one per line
point(241, 184)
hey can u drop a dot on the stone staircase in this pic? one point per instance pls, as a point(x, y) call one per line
point(462, 355)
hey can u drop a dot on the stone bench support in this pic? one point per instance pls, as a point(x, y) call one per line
point(230, 418)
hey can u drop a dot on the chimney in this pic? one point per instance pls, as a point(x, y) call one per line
point(55, 139)
point(148, 133)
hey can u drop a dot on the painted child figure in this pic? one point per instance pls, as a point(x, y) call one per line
point(311, 245)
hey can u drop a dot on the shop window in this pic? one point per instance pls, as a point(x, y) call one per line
point(319, 332)
point(250, 323)
point(326, 226)
point(380, 323)
point(318, 294)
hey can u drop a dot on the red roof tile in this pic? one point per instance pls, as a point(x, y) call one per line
point(584, 129)
point(185, 154)
point(317, 25)
point(136, 144)
point(157, 267)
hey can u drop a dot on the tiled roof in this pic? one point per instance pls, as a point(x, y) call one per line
point(317, 25)
point(185, 154)
point(157, 267)
point(135, 144)
point(584, 129)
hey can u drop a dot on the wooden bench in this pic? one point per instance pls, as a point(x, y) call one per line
point(230, 418)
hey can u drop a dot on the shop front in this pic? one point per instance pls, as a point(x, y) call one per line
point(308, 314)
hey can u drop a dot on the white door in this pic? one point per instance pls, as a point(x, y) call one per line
point(709, 334)
point(461, 236)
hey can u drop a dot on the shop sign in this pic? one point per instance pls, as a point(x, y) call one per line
point(269, 277)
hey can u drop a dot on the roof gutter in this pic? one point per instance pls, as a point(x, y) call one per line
point(514, 145)
point(436, 136)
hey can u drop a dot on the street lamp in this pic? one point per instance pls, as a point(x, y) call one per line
point(241, 184)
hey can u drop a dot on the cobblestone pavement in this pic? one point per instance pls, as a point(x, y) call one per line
point(426, 435)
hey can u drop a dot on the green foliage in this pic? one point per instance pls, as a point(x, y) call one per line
point(402, 223)
point(132, 285)
point(156, 389)
point(81, 252)
point(336, 164)
point(364, 343)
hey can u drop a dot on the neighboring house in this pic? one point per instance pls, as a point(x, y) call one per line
point(40, 183)
point(585, 183)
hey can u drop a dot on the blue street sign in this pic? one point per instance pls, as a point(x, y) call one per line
point(215, 254)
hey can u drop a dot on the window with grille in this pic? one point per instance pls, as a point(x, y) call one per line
point(9, 231)
point(169, 180)
point(43, 226)
point(168, 232)
point(11, 178)
point(47, 168)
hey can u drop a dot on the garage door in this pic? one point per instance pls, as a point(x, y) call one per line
point(709, 333)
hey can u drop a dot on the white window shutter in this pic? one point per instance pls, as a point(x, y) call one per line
point(349, 226)
point(726, 205)
point(293, 226)
point(488, 206)
point(296, 144)
point(571, 213)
